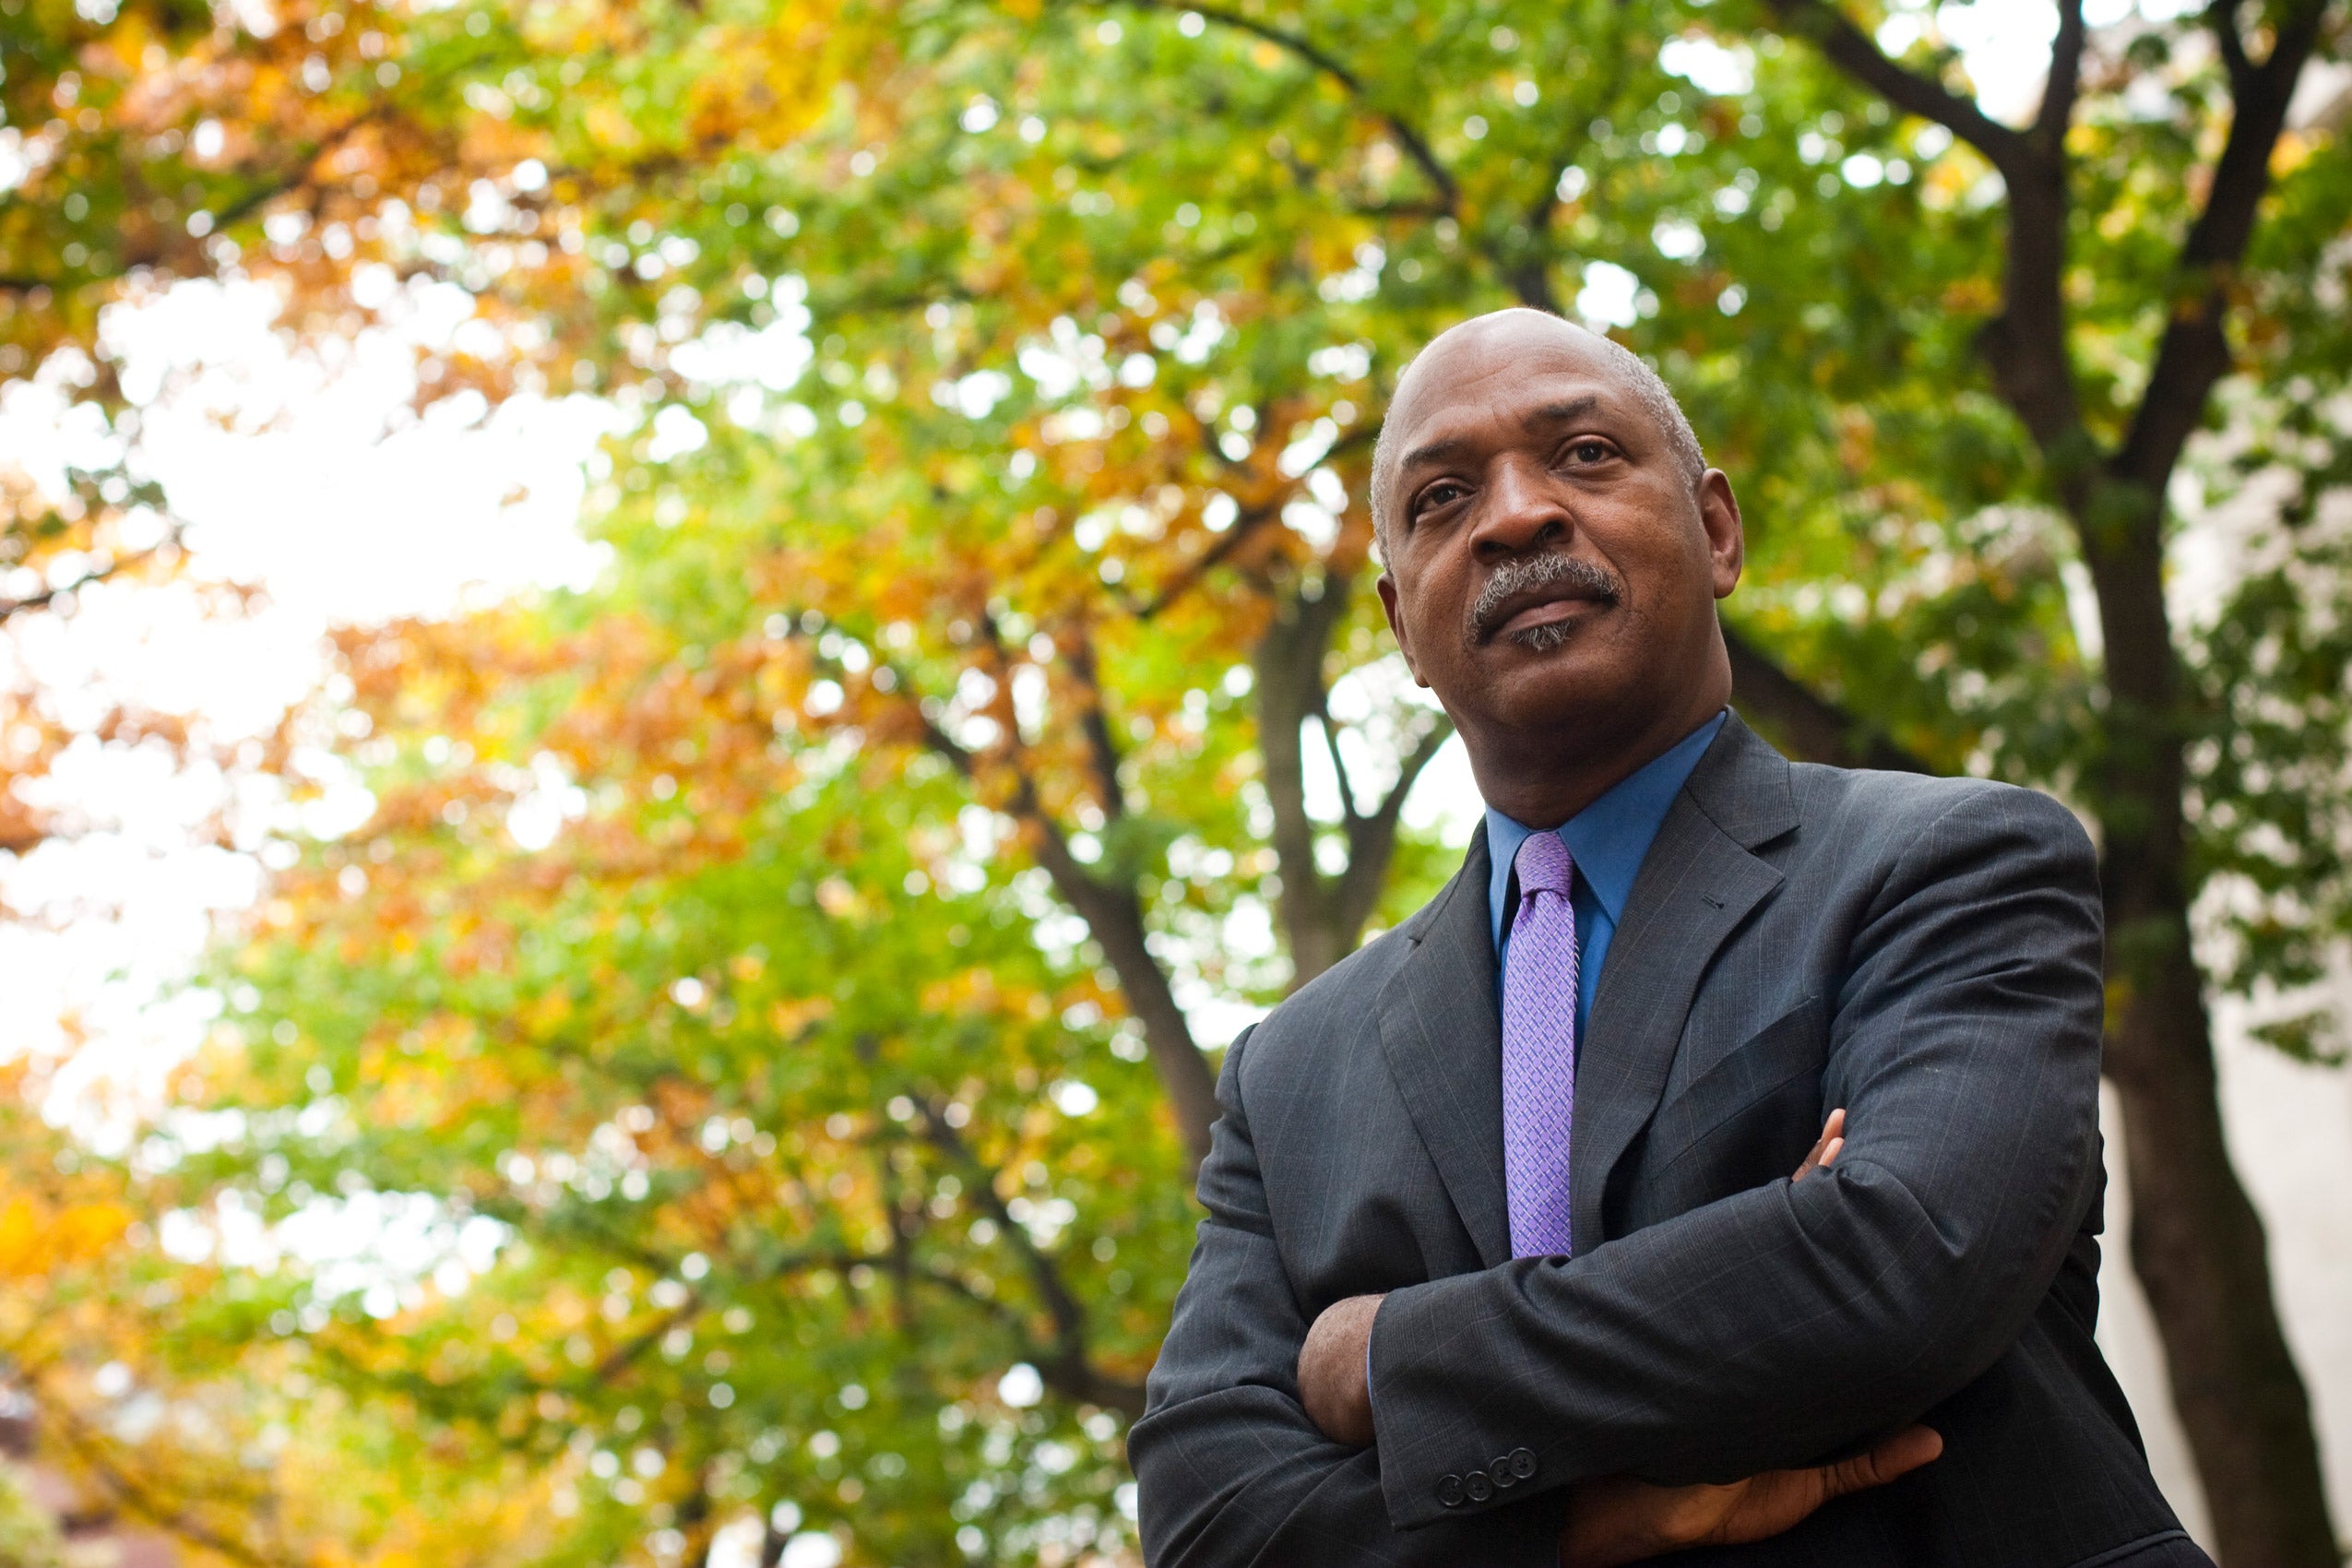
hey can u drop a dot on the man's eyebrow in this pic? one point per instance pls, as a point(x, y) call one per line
point(1564, 412)
point(1446, 448)
point(1435, 452)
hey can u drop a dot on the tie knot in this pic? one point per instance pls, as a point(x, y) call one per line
point(1544, 865)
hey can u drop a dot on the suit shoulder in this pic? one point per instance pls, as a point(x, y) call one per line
point(1332, 1008)
point(1854, 807)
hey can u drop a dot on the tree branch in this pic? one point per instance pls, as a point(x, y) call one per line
point(1065, 1366)
point(300, 174)
point(1287, 662)
point(94, 1452)
point(2222, 17)
point(2194, 353)
point(97, 575)
point(2065, 81)
point(1114, 916)
point(626, 1354)
point(1102, 748)
point(1853, 51)
point(1529, 274)
point(1372, 840)
point(1394, 210)
point(2025, 345)
point(905, 1225)
point(1415, 146)
point(1811, 727)
point(1339, 763)
point(1241, 529)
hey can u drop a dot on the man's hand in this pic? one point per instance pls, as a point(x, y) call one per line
point(1333, 1366)
point(1334, 1372)
point(1825, 1148)
point(1616, 1519)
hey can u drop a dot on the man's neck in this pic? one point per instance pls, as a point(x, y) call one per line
point(1541, 784)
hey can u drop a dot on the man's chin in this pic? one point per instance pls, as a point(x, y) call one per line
point(1543, 650)
point(1538, 689)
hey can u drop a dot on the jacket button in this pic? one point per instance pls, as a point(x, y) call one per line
point(1523, 1463)
point(1505, 1478)
point(1449, 1492)
point(1476, 1487)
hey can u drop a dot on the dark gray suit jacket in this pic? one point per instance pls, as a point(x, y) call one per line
point(1924, 952)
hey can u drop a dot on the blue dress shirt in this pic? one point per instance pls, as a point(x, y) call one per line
point(1607, 841)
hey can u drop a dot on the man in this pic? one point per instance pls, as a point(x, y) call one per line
point(1505, 1263)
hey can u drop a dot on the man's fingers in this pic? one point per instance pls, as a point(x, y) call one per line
point(1825, 1148)
point(1765, 1504)
point(1898, 1455)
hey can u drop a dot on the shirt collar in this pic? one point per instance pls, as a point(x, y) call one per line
point(1610, 838)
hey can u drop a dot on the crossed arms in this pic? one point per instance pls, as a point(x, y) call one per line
point(1753, 1335)
point(1614, 1520)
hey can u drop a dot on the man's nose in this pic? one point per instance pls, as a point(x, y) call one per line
point(1521, 511)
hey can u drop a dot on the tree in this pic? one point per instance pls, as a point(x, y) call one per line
point(89, 1352)
point(2110, 366)
point(815, 1173)
point(106, 533)
point(1062, 522)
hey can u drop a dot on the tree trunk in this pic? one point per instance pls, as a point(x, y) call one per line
point(2197, 1244)
point(1288, 669)
point(1114, 917)
point(1322, 915)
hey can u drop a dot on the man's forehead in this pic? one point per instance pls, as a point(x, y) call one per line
point(1534, 380)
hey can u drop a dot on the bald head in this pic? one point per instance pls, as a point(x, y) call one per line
point(1533, 332)
point(1554, 548)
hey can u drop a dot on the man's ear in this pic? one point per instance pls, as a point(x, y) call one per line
point(1727, 541)
point(1387, 589)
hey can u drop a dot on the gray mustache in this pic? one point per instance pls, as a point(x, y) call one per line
point(1529, 573)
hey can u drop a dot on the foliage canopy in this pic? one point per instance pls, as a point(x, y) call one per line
point(793, 950)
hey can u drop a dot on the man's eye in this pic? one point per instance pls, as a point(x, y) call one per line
point(1590, 451)
point(1437, 494)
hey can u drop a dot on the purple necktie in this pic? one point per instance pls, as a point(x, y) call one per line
point(1539, 1049)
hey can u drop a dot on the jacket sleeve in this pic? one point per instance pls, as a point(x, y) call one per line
point(1229, 1470)
point(1777, 1325)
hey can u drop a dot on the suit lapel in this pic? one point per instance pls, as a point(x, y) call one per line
point(1442, 1037)
point(1444, 1040)
point(1697, 883)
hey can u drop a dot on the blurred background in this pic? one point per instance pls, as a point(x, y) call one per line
point(669, 671)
